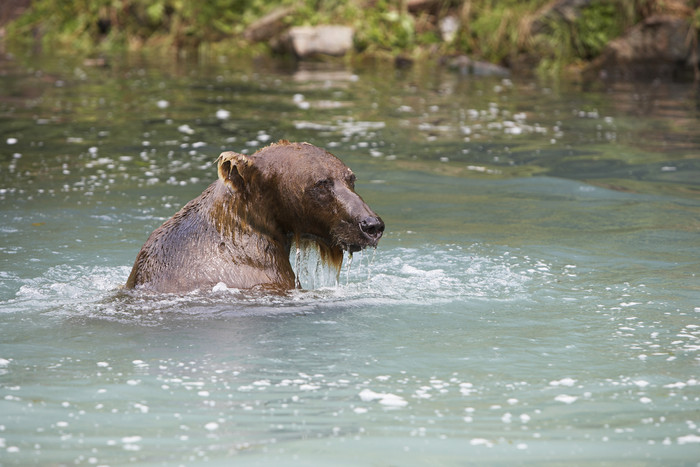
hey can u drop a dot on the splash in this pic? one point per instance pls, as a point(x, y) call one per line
point(362, 268)
point(431, 275)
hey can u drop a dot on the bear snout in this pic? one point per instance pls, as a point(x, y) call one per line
point(373, 228)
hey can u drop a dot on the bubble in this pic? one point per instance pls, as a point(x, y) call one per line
point(688, 439)
point(186, 129)
point(568, 382)
point(566, 399)
point(131, 439)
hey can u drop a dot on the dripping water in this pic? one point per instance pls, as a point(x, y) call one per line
point(370, 264)
point(311, 272)
point(297, 266)
point(347, 269)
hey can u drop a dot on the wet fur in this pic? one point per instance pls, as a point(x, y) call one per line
point(239, 231)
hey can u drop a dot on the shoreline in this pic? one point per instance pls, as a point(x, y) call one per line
point(574, 39)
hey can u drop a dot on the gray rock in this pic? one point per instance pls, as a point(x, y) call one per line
point(655, 48)
point(305, 41)
point(466, 66)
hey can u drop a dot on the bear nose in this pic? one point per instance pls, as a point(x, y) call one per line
point(373, 227)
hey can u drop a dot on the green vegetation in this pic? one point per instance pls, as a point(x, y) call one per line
point(87, 25)
point(598, 25)
point(499, 31)
point(386, 29)
point(584, 38)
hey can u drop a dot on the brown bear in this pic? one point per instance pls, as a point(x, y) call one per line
point(239, 231)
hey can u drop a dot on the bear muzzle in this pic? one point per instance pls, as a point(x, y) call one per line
point(353, 237)
point(373, 229)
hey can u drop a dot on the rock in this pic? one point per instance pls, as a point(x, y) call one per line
point(658, 47)
point(466, 66)
point(268, 26)
point(335, 40)
point(403, 62)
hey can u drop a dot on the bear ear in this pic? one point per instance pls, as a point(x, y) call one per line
point(233, 168)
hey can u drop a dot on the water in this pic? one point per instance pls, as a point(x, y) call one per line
point(534, 300)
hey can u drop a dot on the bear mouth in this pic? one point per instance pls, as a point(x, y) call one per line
point(349, 236)
point(364, 234)
point(343, 245)
point(355, 247)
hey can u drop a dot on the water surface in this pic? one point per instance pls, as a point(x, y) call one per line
point(535, 298)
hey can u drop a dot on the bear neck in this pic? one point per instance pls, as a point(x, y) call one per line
point(241, 219)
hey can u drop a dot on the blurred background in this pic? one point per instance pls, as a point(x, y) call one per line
point(545, 36)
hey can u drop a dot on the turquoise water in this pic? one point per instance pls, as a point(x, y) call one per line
point(535, 298)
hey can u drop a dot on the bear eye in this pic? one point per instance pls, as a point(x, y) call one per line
point(351, 180)
point(322, 191)
point(325, 183)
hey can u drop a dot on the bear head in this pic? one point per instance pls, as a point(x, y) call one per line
point(304, 191)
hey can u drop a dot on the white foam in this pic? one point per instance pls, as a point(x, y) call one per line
point(481, 442)
point(131, 439)
point(392, 400)
point(386, 399)
point(566, 399)
point(688, 439)
point(429, 276)
point(568, 382)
